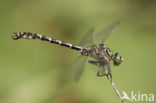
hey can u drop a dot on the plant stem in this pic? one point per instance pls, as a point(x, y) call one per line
point(116, 90)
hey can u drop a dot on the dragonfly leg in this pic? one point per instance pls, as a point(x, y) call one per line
point(109, 75)
point(99, 74)
point(93, 62)
point(101, 71)
point(109, 70)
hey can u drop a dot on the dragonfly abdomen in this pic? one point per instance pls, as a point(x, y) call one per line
point(27, 35)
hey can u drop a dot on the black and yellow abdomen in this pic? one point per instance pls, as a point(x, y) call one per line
point(28, 35)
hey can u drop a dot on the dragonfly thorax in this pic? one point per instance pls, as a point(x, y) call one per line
point(99, 52)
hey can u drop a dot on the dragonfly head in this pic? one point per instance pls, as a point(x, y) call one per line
point(117, 60)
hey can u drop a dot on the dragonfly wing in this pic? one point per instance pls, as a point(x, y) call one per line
point(78, 67)
point(88, 39)
point(103, 35)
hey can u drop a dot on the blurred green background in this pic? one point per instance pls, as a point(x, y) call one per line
point(32, 71)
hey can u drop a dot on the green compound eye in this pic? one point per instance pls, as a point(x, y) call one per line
point(118, 59)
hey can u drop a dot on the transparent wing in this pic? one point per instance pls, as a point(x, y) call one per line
point(93, 65)
point(88, 39)
point(78, 66)
point(79, 63)
point(103, 35)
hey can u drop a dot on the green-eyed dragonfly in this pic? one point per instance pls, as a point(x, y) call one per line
point(88, 47)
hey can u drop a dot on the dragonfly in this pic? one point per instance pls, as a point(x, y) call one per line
point(91, 46)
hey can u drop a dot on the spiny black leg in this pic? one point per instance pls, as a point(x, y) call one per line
point(109, 75)
point(101, 71)
point(100, 75)
point(109, 71)
point(93, 62)
point(109, 68)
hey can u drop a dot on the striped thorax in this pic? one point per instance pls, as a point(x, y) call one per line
point(99, 52)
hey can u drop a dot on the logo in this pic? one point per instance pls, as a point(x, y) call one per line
point(138, 96)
